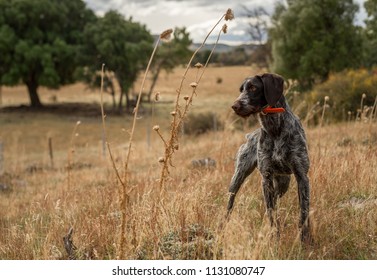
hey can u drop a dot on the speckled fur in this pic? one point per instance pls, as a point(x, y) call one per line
point(277, 149)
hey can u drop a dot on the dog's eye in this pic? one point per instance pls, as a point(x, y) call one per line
point(252, 88)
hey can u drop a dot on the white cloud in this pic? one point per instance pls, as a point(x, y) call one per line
point(199, 16)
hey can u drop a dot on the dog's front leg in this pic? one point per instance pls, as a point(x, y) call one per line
point(246, 162)
point(270, 195)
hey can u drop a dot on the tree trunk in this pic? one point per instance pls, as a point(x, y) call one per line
point(124, 91)
point(128, 103)
point(112, 92)
point(32, 87)
point(120, 100)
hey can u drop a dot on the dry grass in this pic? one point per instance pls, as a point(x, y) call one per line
point(37, 209)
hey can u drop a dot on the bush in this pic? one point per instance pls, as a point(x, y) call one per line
point(201, 123)
point(345, 91)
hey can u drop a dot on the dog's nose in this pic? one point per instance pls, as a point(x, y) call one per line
point(236, 106)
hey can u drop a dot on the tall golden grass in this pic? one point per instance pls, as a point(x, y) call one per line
point(37, 212)
point(115, 217)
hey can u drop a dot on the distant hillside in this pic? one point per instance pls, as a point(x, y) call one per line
point(220, 48)
point(223, 48)
point(225, 55)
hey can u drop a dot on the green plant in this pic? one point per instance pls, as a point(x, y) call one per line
point(41, 42)
point(348, 91)
point(201, 123)
point(309, 42)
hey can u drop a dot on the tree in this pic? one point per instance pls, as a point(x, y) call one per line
point(123, 45)
point(258, 24)
point(170, 55)
point(40, 42)
point(258, 29)
point(371, 33)
point(310, 40)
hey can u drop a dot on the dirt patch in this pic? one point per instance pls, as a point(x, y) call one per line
point(75, 109)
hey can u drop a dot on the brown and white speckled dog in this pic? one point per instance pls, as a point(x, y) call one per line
point(277, 149)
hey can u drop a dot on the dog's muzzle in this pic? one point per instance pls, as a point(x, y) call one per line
point(244, 111)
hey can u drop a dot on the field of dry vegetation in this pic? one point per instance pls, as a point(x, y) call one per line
point(42, 198)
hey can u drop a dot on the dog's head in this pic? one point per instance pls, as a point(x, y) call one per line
point(257, 92)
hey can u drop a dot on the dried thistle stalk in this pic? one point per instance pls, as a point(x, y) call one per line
point(179, 113)
point(125, 187)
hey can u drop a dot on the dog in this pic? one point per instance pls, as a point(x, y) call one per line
point(277, 149)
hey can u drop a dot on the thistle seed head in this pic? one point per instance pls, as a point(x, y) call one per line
point(225, 28)
point(157, 96)
point(327, 98)
point(166, 34)
point(198, 65)
point(229, 15)
point(161, 160)
point(193, 85)
point(156, 128)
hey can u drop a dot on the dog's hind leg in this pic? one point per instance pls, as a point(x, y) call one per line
point(303, 195)
point(246, 162)
point(300, 172)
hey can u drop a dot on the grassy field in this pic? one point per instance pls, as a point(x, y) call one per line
point(41, 200)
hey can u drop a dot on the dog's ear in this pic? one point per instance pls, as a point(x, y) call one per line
point(273, 87)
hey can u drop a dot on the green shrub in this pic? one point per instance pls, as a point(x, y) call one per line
point(201, 123)
point(345, 91)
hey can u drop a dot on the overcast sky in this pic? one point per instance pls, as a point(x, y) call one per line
point(198, 16)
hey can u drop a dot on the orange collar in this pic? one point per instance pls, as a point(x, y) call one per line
point(270, 110)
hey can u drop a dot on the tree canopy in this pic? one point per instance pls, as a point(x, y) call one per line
point(40, 42)
point(310, 40)
point(371, 33)
point(123, 45)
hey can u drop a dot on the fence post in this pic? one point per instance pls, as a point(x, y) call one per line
point(103, 140)
point(50, 152)
point(1, 158)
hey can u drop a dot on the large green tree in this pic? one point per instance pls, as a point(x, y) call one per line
point(310, 39)
point(371, 33)
point(40, 41)
point(122, 45)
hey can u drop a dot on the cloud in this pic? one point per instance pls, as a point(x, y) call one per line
point(198, 16)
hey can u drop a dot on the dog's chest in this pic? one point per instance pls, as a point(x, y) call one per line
point(274, 154)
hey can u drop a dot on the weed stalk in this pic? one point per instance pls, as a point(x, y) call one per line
point(178, 114)
point(125, 187)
